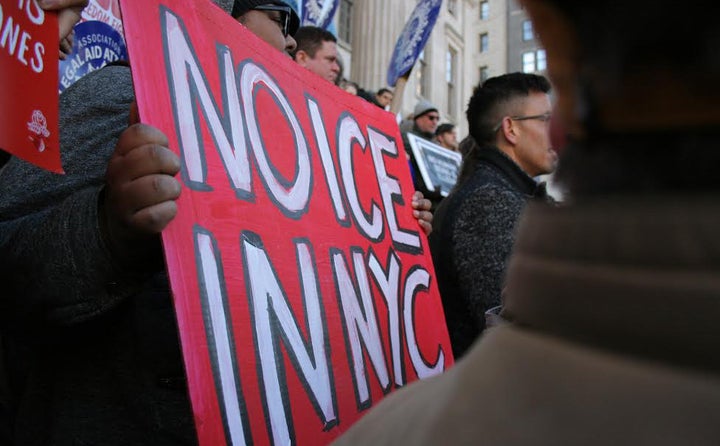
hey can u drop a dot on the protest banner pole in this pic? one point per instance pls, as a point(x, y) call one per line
point(396, 103)
point(409, 46)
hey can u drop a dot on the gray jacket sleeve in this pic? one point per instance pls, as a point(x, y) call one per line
point(483, 239)
point(55, 264)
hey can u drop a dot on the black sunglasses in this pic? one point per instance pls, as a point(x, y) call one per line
point(284, 11)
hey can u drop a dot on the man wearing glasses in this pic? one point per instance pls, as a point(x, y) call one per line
point(425, 121)
point(509, 118)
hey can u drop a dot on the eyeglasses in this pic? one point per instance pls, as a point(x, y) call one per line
point(545, 117)
point(284, 11)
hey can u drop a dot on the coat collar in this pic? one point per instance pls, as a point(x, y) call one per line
point(636, 274)
point(513, 172)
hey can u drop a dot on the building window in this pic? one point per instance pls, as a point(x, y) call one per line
point(452, 6)
point(484, 10)
point(451, 79)
point(484, 42)
point(527, 30)
point(484, 74)
point(345, 21)
point(541, 60)
point(528, 62)
point(534, 61)
point(421, 76)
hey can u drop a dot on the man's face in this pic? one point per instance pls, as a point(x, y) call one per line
point(533, 149)
point(428, 122)
point(449, 140)
point(268, 25)
point(324, 64)
point(384, 99)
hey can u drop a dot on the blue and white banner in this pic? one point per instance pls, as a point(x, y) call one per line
point(412, 39)
point(95, 45)
point(318, 13)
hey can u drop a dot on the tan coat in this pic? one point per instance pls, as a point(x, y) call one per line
point(615, 339)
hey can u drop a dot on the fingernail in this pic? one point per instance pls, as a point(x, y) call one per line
point(416, 213)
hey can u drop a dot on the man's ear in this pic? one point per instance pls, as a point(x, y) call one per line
point(301, 57)
point(509, 130)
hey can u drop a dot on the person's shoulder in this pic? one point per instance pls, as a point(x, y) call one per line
point(113, 82)
point(485, 193)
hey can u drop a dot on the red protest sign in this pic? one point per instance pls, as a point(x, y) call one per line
point(303, 286)
point(28, 79)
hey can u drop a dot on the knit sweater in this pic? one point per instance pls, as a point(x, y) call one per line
point(473, 234)
point(94, 354)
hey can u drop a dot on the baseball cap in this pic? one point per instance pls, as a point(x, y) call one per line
point(240, 7)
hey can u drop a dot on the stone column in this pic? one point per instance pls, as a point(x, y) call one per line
point(376, 27)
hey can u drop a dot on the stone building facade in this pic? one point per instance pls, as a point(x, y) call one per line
point(472, 40)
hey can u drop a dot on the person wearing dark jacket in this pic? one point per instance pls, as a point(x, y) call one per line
point(93, 349)
point(474, 226)
point(424, 123)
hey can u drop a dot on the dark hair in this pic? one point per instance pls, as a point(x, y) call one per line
point(310, 39)
point(489, 99)
point(615, 45)
point(382, 91)
point(444, 128)
point(616, 41)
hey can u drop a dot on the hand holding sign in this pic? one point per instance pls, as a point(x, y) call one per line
point(140, 194)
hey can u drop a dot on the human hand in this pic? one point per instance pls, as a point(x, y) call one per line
point(140, 191)
point(68, 15)
point(421, 211)
point(66, 45)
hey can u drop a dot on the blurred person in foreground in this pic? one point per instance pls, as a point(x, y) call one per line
point(613, 300)
point(474, 227)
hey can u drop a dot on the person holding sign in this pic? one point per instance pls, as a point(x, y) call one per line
point(508, 117)
point(86, 306)
point(96, 358)
point(425, 121)
point(68, 15)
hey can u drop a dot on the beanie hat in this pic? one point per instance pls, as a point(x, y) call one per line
point(422, 108)
point(240, 7)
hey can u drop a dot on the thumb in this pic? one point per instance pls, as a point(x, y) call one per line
point(134, 113)
point(67, 18)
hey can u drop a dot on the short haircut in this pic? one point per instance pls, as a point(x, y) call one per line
point(382, 91)
point(491, 100)
point(310, 39)
point(616, 42)
point(444, 128)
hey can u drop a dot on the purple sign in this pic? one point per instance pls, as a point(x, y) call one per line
point(95, 45)
point(412, 39)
